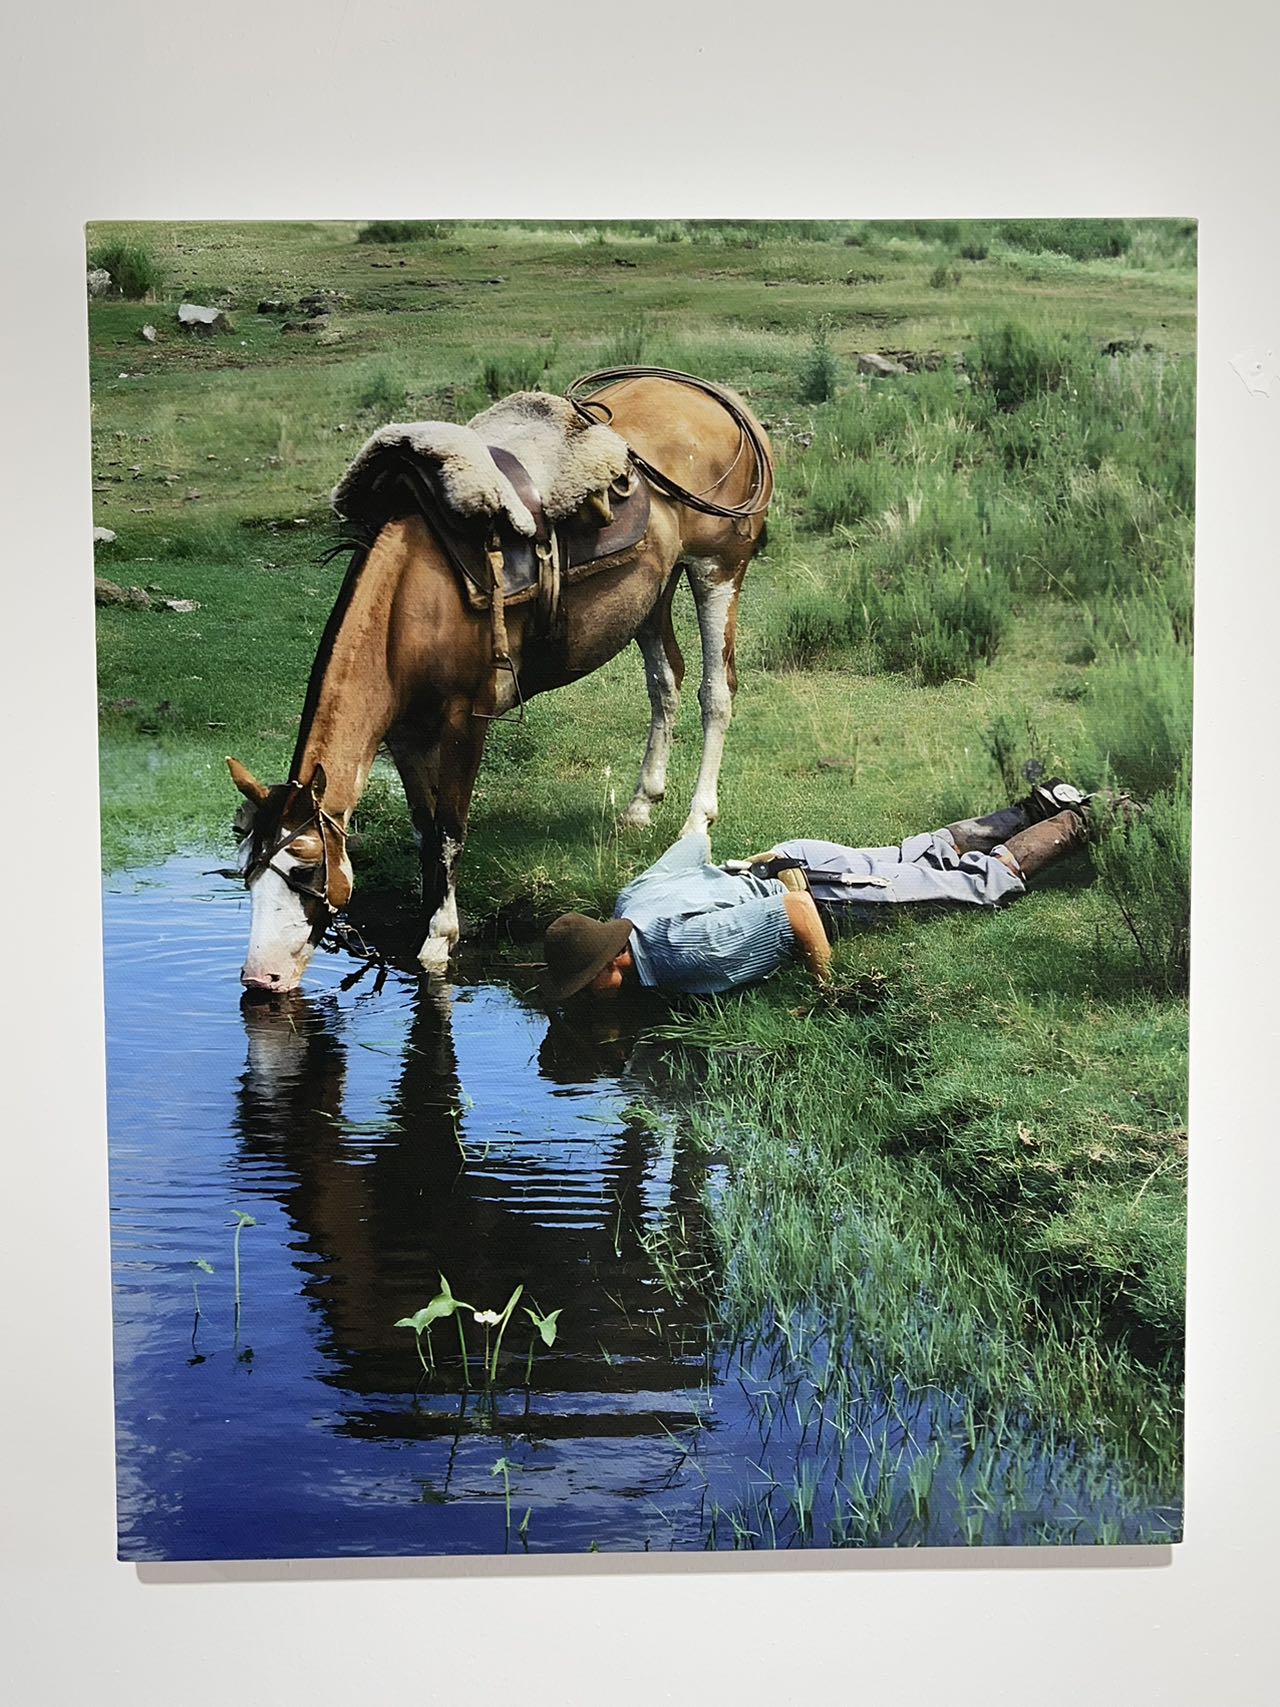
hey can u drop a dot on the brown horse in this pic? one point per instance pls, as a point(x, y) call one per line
point(408, 663)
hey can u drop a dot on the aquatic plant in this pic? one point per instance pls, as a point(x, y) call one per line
point(204, 1268)
point(493, 1319)
point(240, 1222)
point(441, 1307)
point(503, 1468)
point(545, 1330)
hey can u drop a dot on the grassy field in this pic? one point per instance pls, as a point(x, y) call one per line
point(967, 568)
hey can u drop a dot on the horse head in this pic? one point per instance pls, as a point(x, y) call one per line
point(294, 857)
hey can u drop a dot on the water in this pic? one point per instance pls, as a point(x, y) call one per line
point(381, 1138)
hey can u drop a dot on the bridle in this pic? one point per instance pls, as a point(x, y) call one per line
point(329, 828)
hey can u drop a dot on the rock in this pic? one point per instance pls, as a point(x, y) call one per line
point(879, 367)
point(624, 261)
point(103, 536)
point(202, 322)
point(317, 302)
point(149, 333)
point(1126, 347)
point(98, 280)
point(273, 305)
point(182, 607)
point(108, 593)
point(316, 325)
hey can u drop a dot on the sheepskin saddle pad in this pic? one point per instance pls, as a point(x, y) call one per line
point(525, 469)
point(568, 460)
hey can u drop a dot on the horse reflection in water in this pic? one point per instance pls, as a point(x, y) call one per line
point(382, 1215)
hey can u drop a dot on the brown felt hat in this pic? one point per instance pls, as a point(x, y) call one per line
point(577, 948)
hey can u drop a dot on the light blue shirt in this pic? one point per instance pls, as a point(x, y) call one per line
point(699, 929)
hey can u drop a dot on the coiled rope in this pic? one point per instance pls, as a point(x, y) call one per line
point(756, 501)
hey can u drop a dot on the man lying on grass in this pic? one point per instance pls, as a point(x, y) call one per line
point(687, 926)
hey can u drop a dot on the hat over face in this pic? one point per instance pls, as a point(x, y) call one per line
point(577, 948)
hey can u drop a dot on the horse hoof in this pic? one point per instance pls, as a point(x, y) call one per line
point(433, 956)
point(636, 816)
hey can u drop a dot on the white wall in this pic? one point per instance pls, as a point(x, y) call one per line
point(340, 109)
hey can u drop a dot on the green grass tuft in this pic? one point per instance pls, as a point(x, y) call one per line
point(136, 272)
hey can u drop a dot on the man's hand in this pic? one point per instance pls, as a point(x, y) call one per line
point(807, 928)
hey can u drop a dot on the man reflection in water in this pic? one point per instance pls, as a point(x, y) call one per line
point(688, 926)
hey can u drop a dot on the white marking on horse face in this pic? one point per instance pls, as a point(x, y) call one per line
point(442, 932)
point(280, 945)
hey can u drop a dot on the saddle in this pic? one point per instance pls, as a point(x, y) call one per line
point(525, 498)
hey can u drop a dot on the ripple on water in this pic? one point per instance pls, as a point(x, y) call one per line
point(379, 1142)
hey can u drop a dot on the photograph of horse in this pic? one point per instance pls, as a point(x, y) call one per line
point(779, 1145)
point(407, 661)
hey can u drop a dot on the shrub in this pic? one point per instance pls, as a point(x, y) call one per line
point(1144, 864)
point(810, 631)
point(1016, 364)
point(518, 370)
point(937, 622)
point(1138, 721)
point(848, 491)
point(821, 370)
point(1080, 239)
point(944, 276)
point(1018, 752)
point(628, 343)
point(402, 230)
point(380, 393)
point(135, 271)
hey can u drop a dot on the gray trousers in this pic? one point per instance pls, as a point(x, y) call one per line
point(922, 868)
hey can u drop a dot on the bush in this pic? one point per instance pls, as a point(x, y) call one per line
point(402, 230)
point(518, 370)
point(1138, 721)
point(380, 393)
point(1079, 239)
point(820, 371)
point(937, 622)
point(944, 276)
point(628, 344)
point(810, 632)
point(849, 491)
point(135, 271)
point(1016, 364)
point(1144, 864)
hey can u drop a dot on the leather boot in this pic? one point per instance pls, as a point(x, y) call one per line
point(980, 835)
point(1046, 800)
point(1039, 845)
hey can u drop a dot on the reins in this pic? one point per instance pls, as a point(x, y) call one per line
point(756, 501)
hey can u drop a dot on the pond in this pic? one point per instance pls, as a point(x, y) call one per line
point(381, 1136)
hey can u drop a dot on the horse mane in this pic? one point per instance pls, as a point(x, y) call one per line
point(359, 546)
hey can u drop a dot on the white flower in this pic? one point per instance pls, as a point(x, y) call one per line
point(488, 1318)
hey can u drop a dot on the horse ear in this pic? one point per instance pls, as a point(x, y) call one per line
point(319, 782)
point(246, 782)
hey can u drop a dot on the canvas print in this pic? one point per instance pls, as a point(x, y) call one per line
point(645, 816)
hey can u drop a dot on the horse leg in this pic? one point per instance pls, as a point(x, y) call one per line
point(716, 598)
point(663, 674)
point(419, 773)
point(461, 746)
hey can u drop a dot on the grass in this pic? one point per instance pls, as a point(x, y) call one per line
point(135, 272)
point(966, 568)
